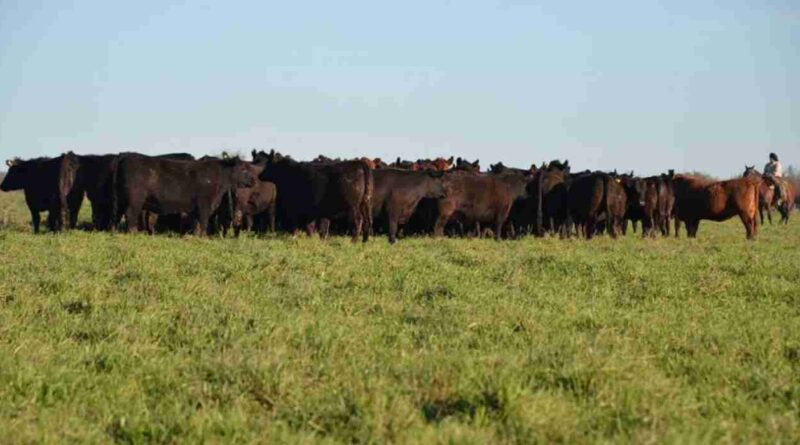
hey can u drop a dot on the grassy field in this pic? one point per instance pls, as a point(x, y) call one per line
point(139, 339)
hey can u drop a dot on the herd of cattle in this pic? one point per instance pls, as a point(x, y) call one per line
point(176, 192)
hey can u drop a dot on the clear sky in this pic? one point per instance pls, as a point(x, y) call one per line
point(685, 84)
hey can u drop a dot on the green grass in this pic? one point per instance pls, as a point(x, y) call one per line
point(138, 339)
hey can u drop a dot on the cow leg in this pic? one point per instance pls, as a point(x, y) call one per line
point(356, 222)
point(692, 227)
point(393, 224)
point(590, 228)
point(201, 226)
point(35, 220)
point(53, 220)
point(498, 228)
point(769, 216)
point(151, 220)
point(272, 213)
point(438, 228)
point(132, 217)
point(677, 228)
point(311, 228)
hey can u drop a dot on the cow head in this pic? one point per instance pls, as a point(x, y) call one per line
point(463, 164)
point(443, 164)
point(17, 175)
point(497, 168)
point(369, 162)
point(242, 174)
point(260, 156)
point(434, 186)
point(635, 189)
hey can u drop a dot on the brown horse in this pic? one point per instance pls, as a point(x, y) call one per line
point(766, 194)
point(769, 199)
point(697, 199)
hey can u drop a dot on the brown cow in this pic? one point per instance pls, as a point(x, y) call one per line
point(398, 192)
point(697, 199)
point(480, 199)
point(253, 204)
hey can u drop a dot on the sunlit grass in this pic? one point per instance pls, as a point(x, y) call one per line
point(133, 339)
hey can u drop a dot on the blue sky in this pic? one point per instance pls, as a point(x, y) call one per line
point(691, 85)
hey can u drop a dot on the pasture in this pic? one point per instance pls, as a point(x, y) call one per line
point(139, 339)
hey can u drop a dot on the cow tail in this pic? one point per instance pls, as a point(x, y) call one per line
point(366, 201)
point(229, 220)
point(66, 181)
point(539, 203)
point(112, 218)
point(607, 205)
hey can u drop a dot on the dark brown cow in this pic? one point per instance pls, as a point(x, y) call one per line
point(314, 194)
point(552, 215)
point(464, 165)
point(658, 204)
point(480, 199)
point(256, 204)
point(596, 196)
point(166, 186)
point(650, 207)
point(397, 193)
point(48, 184)
point(697, 199)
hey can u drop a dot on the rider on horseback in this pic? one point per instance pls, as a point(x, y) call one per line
point(773, 171)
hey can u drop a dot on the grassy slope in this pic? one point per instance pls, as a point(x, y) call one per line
point(157, 339)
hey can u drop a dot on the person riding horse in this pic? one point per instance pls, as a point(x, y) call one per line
point(773, 171)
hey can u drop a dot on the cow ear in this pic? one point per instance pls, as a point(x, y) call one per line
point(477, 162)
point(450, 161)
point(9, 163)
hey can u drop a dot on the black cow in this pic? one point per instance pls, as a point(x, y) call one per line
point(635, 189)
point(314, 194)
point(167, 186)
point(401, 164)
point(397, 193)
point(48, 184)
point(94, 177)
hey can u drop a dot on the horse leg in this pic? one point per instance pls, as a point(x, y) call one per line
point(748, 225)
